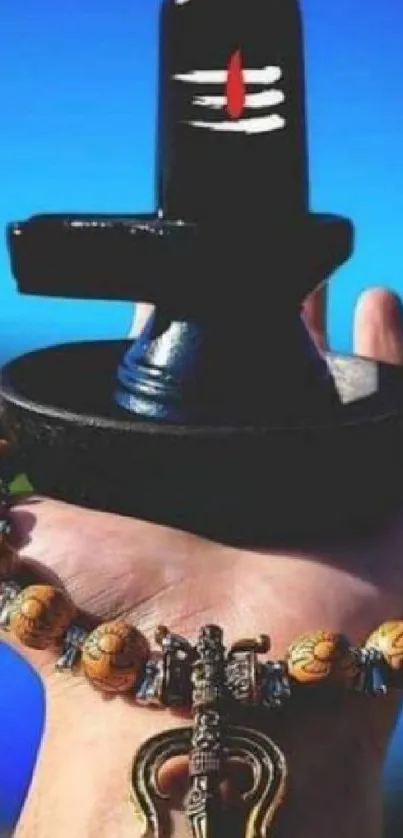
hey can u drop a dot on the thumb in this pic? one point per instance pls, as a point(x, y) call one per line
point(378, 326)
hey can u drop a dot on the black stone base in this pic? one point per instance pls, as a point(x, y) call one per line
point(237, 484)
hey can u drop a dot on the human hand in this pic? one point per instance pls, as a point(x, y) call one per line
point(118, 567)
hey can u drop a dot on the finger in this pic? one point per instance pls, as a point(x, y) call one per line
point(378, 326)
point(314, 313)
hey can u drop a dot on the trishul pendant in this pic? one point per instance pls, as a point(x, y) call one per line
point(220, 684)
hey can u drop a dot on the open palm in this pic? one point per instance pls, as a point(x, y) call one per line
point(148, 574)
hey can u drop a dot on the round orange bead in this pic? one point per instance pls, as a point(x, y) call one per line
point(321, 656)
point(40, 616)
point(113, 656)
point(388, 639)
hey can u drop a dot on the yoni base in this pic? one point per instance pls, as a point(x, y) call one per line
point(248, 485)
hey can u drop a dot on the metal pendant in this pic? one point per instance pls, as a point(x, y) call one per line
point(221, 684)
point(146, 793)
point(203, 806)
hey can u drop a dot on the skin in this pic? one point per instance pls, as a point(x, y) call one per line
point(119, 567)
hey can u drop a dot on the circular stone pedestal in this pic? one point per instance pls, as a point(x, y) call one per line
point(243, 485)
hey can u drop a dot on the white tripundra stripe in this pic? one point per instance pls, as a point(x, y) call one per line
point(266, 99)
point(267, 75)
point(257, 125)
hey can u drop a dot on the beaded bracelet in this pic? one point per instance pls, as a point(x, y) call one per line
point(219, 687)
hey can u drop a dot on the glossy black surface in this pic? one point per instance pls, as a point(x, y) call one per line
point(233, 160)
point(256, 483)
point(187, 371)
point(234, 248)
point(231, 154)
point(178, 266)
point(222, 418)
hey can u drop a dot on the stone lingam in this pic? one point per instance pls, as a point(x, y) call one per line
point(222, 417)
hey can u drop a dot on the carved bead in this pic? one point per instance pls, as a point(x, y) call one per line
point(40, 616)
point(388, 639)
point(113, 656)
point(321, 656)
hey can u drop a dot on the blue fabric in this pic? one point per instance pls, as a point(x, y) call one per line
point(22, 713)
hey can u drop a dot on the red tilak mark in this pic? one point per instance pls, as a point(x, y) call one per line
point(236, 93)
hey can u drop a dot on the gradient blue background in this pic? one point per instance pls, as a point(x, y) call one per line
point(77, 127)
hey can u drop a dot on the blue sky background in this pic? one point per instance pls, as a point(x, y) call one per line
point(77, 128)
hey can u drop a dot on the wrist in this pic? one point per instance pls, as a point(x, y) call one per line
point(246, 591)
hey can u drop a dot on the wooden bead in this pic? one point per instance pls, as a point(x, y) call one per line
point(321, 656)
point(388, 639)
point(40, 616)
point(113, 656)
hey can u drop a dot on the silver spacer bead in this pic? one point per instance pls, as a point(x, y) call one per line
point(149, 692)
point(177, 657)
point(275, 684)
point(72, 645)
point(8, 593)
point(5, 527)
point(174, 643)
point(241, 676)
point(372, 677)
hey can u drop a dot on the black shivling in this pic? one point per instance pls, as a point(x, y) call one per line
point(222, 417)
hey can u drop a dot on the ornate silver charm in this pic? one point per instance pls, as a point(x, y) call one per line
point(242, 678)
point(178, 655)
point(262, 800)
point(171, 642)
point(220, 684)
point(8, 593)
point(242, 670)
point(202, 804)
point(145, 791)
point(72, 645)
